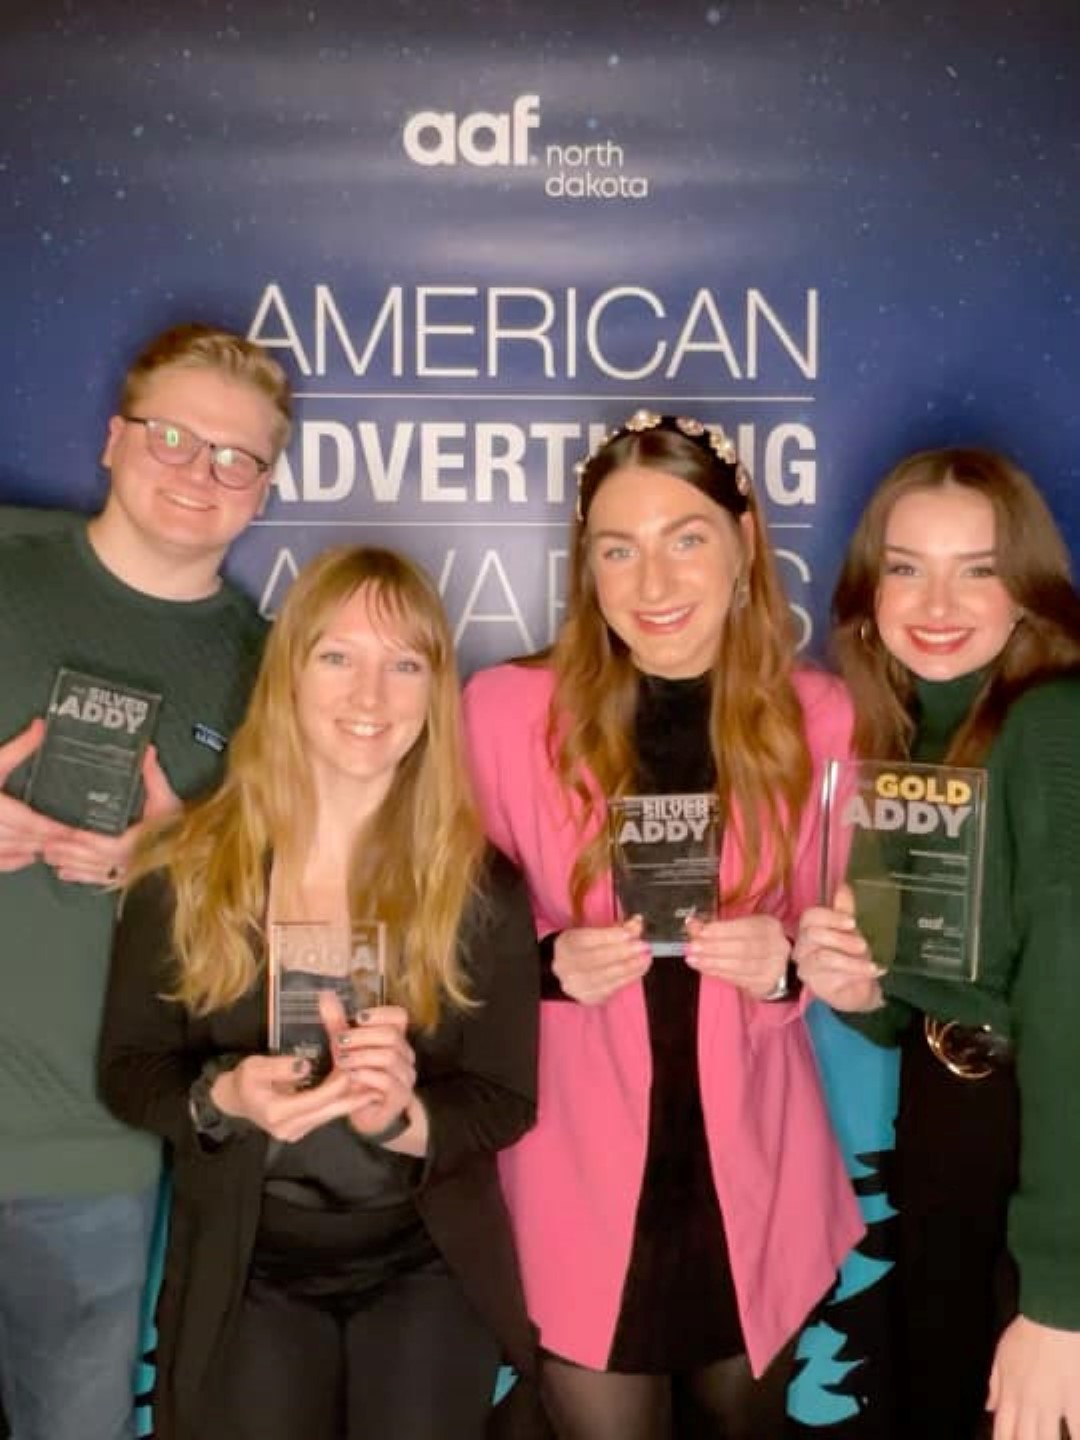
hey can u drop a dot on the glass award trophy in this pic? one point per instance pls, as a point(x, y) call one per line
point(309, 956)
point(665, 858)
point(87, 770)
point(908, 839)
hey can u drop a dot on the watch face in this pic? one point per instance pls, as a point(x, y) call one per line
point(205, 1115)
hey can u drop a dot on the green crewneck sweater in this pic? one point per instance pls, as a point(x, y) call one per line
point(60, 606)
point(1029, 980)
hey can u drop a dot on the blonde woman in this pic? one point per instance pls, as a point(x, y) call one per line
point(681, 1204)
point(340, 1263)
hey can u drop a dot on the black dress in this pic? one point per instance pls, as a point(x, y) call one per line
point(678, 1309)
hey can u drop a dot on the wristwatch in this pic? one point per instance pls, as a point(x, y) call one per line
point(211, 1123)
point(788, 986)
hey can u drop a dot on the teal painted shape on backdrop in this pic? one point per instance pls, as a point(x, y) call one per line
point(861, 1082)
point(808, 1400)
point(861, 1085)
point(144, 1374)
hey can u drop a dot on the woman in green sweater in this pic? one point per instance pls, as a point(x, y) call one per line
point(958, 632)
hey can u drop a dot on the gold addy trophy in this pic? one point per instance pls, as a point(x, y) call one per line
point(665, 863)
point(909, 840)
point(307, 957)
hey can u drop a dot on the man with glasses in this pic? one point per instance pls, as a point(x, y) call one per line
point(133, 597)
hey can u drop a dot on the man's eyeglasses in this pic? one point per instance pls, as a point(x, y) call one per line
point(174, 444)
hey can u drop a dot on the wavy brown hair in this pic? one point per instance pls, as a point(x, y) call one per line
point(756, 725)
point(415, 861)
point(1032, 562)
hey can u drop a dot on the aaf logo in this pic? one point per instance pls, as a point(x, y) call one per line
point(439, 137)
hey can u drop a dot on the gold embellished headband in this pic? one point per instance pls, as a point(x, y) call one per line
point(733, 491)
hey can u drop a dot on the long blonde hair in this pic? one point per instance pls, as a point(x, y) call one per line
point(1033, 564)
point(416, 860)
point(759, 747)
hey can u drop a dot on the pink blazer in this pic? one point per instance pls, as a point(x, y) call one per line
point(572, 1183)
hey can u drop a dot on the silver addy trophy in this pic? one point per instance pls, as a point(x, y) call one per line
point(307, 957)
point(665, 857)
point(909, 840)
point(87, 771)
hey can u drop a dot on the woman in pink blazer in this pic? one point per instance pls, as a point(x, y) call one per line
point(681, 1204)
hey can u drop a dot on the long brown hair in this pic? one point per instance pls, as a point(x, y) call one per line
point(1033, 563)
point(762, 763)
point(416, 860)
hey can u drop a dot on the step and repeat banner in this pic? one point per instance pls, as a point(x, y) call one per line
point(479, 234)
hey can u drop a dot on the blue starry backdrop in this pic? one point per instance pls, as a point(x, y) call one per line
point(842, 229)
point(476, 234)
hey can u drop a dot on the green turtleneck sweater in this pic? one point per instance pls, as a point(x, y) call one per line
point(1029, 965)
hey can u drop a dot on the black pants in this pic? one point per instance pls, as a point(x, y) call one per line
point(957, 1144)
point(411, 1360)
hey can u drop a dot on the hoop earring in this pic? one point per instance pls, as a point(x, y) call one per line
point(865, 631)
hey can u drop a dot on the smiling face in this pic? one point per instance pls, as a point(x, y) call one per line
point(941, 608)
point(665, 560)
point(362, 701)
point(180, 512)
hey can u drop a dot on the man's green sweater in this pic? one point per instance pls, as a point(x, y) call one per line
point(60, 606)
point(1029, 966)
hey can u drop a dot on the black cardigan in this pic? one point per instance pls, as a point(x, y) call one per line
point(476, 1077)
